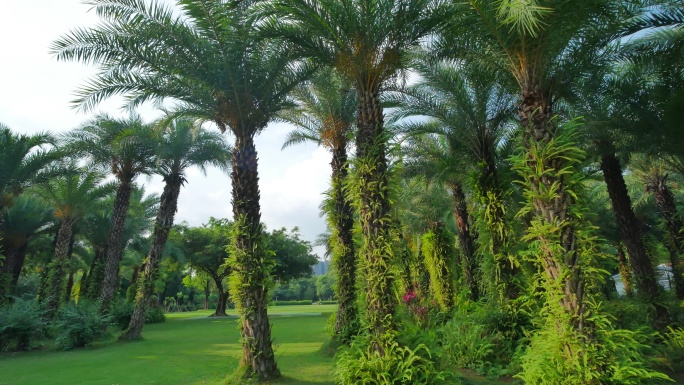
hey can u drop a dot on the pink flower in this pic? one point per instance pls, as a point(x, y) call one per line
point(410, 296)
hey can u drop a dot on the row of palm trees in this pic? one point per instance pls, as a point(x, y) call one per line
point(237, 64)
point(76, 194)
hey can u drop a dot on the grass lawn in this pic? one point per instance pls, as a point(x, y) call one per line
point(189, 348)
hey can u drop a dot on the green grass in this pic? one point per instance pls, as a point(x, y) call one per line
point(189, 348)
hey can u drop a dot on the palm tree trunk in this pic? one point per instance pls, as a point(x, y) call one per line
point(69, 287)
point(563, 270)
point(93, 286)
point(465, 240)
point(58, 268)
point(625, 273)
point(374, 215)
point(491, 193)
point(110, 284)
point(668, 209)
point(644, 273)
point(346, 323)
point(145, 283)
point(250, 263)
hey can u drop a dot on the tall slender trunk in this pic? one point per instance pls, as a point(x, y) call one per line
point(374, 215)
point(630, 231)
point(222, 300)
point(150, 271)
point(344, 253)
point(110, 284)
point(93, 286)
point(625, 273)
point(58, 268)
point(668, 209)
point(14, 254)
point(438, 247)
point(494, 213)
point(250, 262)
point(560, 269)
point(465, 240)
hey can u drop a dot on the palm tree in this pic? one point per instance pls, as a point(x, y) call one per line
point(654, 174)
point(126, 148)
point(367, 42)
point(25, 219)
point(435, 159)
point(71, 197)
point(544, 48)
point(618, 122)
point(183, 145)
point(209, 60)
point(471, 110)
point(325, 113)
point(23, 162)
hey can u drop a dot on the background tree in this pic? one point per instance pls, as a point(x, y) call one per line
point(70, 196)
point(23, 161)
point(182, 145)
point(366, 41)
point(126, 148)
point(210, 61)
point(325, 114)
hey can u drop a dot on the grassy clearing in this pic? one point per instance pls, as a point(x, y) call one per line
point(184, 350)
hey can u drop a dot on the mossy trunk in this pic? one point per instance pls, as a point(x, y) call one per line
point(250, 262)
point(440, 256)
point(665, 202)
point(150, 271)
point(344, 251)
point(466, 240)
point(374, 215)
point(57, 269)
point(110, 284)
point(493, 216)
point(630, 231)
point(93, 286)
point(560, 258)
point(625, 272)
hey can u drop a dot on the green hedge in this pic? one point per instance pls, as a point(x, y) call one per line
point(327, 302)
point(291, 303)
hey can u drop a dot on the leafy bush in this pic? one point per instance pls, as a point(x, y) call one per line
point(361, 364)
point(20, 324)
point(610, 356)
point(154, 315)
point(122, 311)
point(674, 348)
point(292, 303)
point(78, 325)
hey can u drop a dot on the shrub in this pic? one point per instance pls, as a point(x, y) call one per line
point(360, 364)
point(121, 313)
point(292, 303)
point(20, 324)
point(154, 315)
point(674, 348)
point(78, 325)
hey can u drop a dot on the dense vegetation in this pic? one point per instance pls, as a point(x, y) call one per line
point(499, 169)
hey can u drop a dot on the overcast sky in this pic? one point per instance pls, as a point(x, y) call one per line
point(35, 90)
